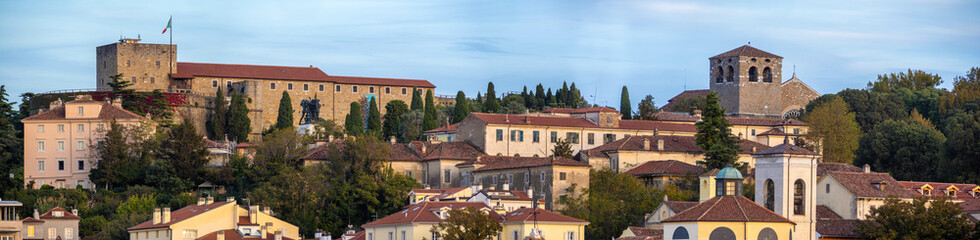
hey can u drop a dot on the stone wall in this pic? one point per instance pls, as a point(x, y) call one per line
point(740, 94)
point(144, 64)
point(796, 95)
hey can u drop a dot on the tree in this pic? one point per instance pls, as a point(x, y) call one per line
point(965, 89)
point(11, 145)
point(908, 150)
point(153, 103)
point(897, 219)
point(430, 117)
point(417, 100)
point(817, 102)
point(647, 108)
point(374, 119)
point(124, 152)
point(540, 98)
point(491, 104)
point(833, 131)
point(925, 102)
point(611, 202)
point(562, 148)
point(323, 129)
point(280, 150)
point(354, 123)
point(624, 105)
point(285, 117)
point(688, 104)
point(411, 128)
point(714, 136)
point(913, 80)
point(575, 97)
point(961, 161)
point(186, 150)
point(467, 223)
point(239, 125)
point(513, 104)
point(552, 100)
point(219, 122)
point(395, 112)
point(462, 108)
point(871, 108)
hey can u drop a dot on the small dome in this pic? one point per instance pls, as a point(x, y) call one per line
point(729, 173)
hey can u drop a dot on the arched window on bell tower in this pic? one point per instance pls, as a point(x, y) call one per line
point(770, 195)
point(753, 74)
point(730, 74)
point(719, 75)
point(728, 182)
point(767, 75)
point(798, 194)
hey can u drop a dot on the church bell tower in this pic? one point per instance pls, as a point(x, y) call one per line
point(747, 81)
point(785, 184)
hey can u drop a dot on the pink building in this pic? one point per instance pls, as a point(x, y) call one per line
point(57, 141)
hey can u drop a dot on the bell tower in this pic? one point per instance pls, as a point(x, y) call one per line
point(747, 81)
point(786, 177)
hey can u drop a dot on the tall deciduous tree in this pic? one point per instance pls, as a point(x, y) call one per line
point(354, 123)
point(871, 108)
point(374, 118)
point(467, 223)
point(430, 118)
point(714, 136)
point(219, 122)
point(898, 219)
point(961, 161)
point(491, 104)
point(833, 131)
point(285, 117)
point(647, 108)
point(239, 125)
point(914, 80)
point(462, 107)
point(395, 112)
point(417, 103)
point(611, 202)
point(965, 89)
point(908, 150)
point(625, 107)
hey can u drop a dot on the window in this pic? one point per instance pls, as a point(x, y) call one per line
point(796, 131)
point(404, 91)
point(527, 178)
point(571, 235)
point(153, 80)
point(133, 80)
point(828, 188)
point(515, 236)
point(54, 231)
point(40, 128)
point(391, 236)
point(681, 233)
point(61, 128)
point(591, 138)
point(81, 127)
point(721, 233)
point(354, 88)
point(306, 87)
point(272, 86)
point(81, 164)
point(370, 89)
point(798, 197)
point(535, 136)
point(753, 74)
point(40, 146)
point(61, 164)
point(561, 176)
point(370, 236)
point(494, 179)
point(572, 137)
point(30, 231)
point(500, 134)
point(100, 127)
point(214, 84)
point(40, 166)
point(513, 135)
point(81, 111)
point(767, 74)
point(81, 145)
point(61, 146)
point(191, 234)
point(730, 74)
point(403, 236)
point(447, 176)
point(68, 233)
point(554, 136)
point(771, 195)
point(753, 132)
point(435, 236)
point(608, 138)
point(321, 87)
point(729, 188)
point(768, 234)
point(387, 90)
point(542, 176)
point(337, 88)
point(719, 75)
point(289, 86)
point(127, 65)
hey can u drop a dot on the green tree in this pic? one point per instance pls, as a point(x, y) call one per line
point(323, 129)
point(965, 89)
point(11, 145)
point(611, 202)
point(467, 223)
point(285, 117)
point(280, 150)
point(833, 131)
point(462, 107)
point(219, 122)
point(908, 150)
point(395, 112)
point(374, 119)
point(925, 102)
point(540, 98)
point(513, 104)
point(715, 137)
point(871, 108)
point(552, 99)
point(625, 107)
point(562, 149)
point(124, 153)
point(153, 103)
point(647, 108)
point(354, 123)
point(688, 104)
point(239, 125)
point(491, 104)
point(140, 204)
point(816, 102)
point(430, 117)
point(411, 128)
point(961, 161)
point(417, 103)
point(186, 150)
point(913, 80)
point(898, 219)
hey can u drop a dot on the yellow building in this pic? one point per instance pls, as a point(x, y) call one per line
point(520, 223)
point(10, 223)
point(214, 220)
point(416, 221)
point(630, 152)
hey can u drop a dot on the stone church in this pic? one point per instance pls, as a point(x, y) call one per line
point(748, 83)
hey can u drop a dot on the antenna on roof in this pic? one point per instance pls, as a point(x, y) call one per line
point(750, 43)
point(685, 79)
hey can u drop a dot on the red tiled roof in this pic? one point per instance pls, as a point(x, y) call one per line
point(31, 220)
point(232, 234)
point(247, 145)
point(449, 128)
point(776, 132)
point(837, 228)
point(728, 209)
point(429, 191)
point(665, 168)
point(246, 221)
point(410, 151)
point(190, 70)
point(579, 110)
point(642, 237)
point(541, 215)
point(451, 191)
point(745, 121)
point(786, 149)
point(712, 173)
point(671, 144)
point(746, 51)
point(971, 206)
point(212, 144)
point(647, 232)
point(424, 212)
point(683, 95)
point(680, 206)
point(180, 215)
point(823, 212)
point(657, 125)
point(939, 188)
point(513, 119)
point(450, 151)
point(861, 184)
point(836, 167)
point(507, 162)
point(381, 81)
point(50, 214)
point(108, 112)
point(356, 236)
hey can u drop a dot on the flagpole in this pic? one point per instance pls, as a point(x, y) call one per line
point(170, 24)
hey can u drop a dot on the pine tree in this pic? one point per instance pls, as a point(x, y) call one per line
point(491, 104)
point(429, 119)
point(714, 136)
point(285, 118)
point(219, 122)
point(239, 125)
point(416, 100)
point(374, 118)
point(354, 123)
point(625, 107)
point(185, 149)
point(462, 108)
point(395, 112)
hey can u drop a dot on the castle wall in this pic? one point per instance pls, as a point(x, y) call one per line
point(146, 65)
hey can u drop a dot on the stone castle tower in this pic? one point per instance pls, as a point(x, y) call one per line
point(147, 66)
point(748, 81)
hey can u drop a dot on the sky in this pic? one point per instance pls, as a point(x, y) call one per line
point(655, 47)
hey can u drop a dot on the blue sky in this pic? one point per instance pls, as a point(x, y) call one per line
point(653, 47)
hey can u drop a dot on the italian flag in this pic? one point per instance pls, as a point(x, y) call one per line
point(168, 25)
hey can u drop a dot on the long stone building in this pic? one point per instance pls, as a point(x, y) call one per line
point(154, 67)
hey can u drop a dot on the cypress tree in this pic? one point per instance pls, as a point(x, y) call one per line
point(239, 125)
point(285, 118)
point(574, 96)
point(539, 97)
point(374, 118)
point(395, 112)
point(552, 100)
point(491, 104)
point(416, 100)
point(354, 123)
point(528, 102)
point(462, 108)
point(219, 117)
point(624, 105)
point(563, 95)
point(714, 136)
point(429, 119)
point(479, 98)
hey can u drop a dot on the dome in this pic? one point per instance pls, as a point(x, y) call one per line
point(729, 173)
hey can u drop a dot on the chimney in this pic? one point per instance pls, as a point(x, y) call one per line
point(36, 214)
point(392, 140)
point(208, 200)
point(221, 235)
point(646, 144)
point(117, 102)
point(253, 213)
point(506, 187)
point(200, 201)
point(165, 218)
point(697, 113)
point(867, 168)
point(156, 216)
point(660, 144)
point(83, 97)
point(54, 104)
point(230, 199)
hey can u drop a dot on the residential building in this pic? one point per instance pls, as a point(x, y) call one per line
point(219, 153)
point(852, 194)
point(214, 221)
point(767, 131)
point(658, 174)
point(58, 142)
point(432, 163)
point(507, 200)
point(785, 177)
point(10, 224)
point(632, 151)
point(445, 133)
point(56, 223)
point(641, 233)
point(957, 192)
point(524, 222)
point(550, 177)
point(456, 194)
point(416, 221)
point(666, 210)
point(831, 226)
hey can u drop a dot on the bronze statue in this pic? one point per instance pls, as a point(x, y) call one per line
point(311, 111)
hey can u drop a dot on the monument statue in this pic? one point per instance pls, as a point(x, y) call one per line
point(311, 111)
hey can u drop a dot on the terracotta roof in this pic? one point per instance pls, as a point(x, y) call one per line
point(190, 70)
point(359, 235)
point(671, 144)
point(514, 119)
point(786, 149)
point(429, 191)
point(31, 220)
point(711, 173)
point(683, 95)
point(446, 193)
point(425, 212)
point(402, 152)
point(579, 110)
point(232, 234)
point(449, 150)
point(823, 212)
point(541, 215)
point(665, 168)
point(963, 189)
point(246, 221)
point(745, 121)
point(180, 215)
point(971, 206)
point(837, 228)
point(728, 209)
point(449, 128)
point(507, 195)
point(642, 237)
point(50, 214)
point(410, 151)
point(862, 184)
point(647, 232)
point(836, 167)
point(212, 144)
point(507, 162)
point(680, 206)
point(747, 51)
point(108, 112)
point(776, 132)
point(381, 81)
point(247, 145)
